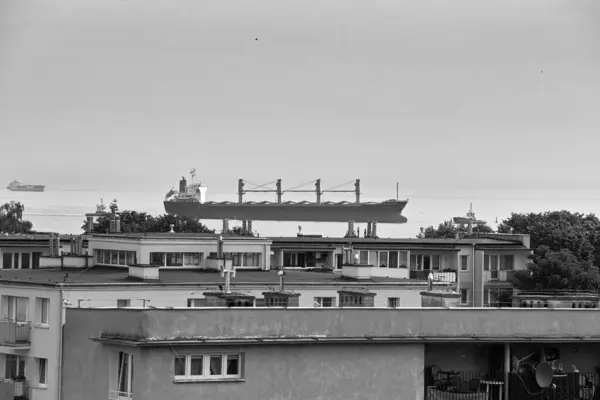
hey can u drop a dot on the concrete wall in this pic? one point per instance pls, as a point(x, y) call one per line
point(436, 324)
point(281, 372)
point(177, 296)
point(44, 339)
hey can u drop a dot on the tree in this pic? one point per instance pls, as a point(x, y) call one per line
point(238, 231)
point(448, 230)
point(11, 218)
point(133, 221)
point(557, 230)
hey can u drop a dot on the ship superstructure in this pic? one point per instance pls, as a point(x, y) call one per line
point(18, 186)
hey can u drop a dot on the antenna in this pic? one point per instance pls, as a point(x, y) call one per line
point(397, 191)
point(193, 173)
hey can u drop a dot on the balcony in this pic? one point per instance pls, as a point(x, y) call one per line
point(11, 389)
point(15, 333)
point(118, 395)
point(445, 276)
point(498, 276)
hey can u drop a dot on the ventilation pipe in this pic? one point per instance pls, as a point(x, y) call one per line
point(281, 274)
point(225, 226)
point(220, 247)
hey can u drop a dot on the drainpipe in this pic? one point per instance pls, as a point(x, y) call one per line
point(60, 344)
point(473, 268)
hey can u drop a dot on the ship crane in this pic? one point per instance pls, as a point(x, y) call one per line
point(296, 189)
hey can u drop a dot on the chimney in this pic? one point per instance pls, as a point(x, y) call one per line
point(220, 247)
point(350, 232)
point(374, 229)
point(111, 227)
point(368, 229)
point(250, 227)
point(244, 226)
point(90, 224)
point(118, 224)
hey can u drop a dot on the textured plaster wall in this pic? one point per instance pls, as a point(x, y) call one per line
point(464, 357)
point(278, 372)
point(555, 324)
point(291, 372)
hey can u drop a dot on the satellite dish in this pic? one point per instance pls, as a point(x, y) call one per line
point(543, 375)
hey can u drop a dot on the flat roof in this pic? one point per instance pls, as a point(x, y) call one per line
point(409, 241)
point(100, 275)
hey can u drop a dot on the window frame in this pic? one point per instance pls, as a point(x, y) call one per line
point(466, 296)
point(206, 372)
point(466, 258)
point(42, 366)
point(393, 302)
point(42, 306)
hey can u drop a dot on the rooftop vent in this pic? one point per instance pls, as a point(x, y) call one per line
point(145, 272)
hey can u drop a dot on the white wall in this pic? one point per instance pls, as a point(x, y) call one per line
point(44, 340)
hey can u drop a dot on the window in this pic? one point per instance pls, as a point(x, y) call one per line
point(36, 260)
point(251, 259)
point(42, 367)
point(403, 259)
point(416, 262)
point(324, 302)
point(208, 367)
point(7, 260)
point(25, 260)
point(464, 296)
point(277, 302)
point(436, 262)
point(393, 302)
point(124, 375)
point(363, 257)
point(464, 263)
point(351, 300)
point(16, 260)
point(383, 259)
point(15, 308)
point(157, 259)
point(114, 257)
point(174, 259)
point(393, 262)
point(42, 307)
point(507, 262)
point(15, 367)
point(192, 259)
point(123, 303)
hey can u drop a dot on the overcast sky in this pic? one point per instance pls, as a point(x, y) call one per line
point(449, 98)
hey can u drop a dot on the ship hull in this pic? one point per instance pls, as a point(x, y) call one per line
point(36, 188)
point(386, 212)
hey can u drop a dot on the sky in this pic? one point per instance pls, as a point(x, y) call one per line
point(493, 102)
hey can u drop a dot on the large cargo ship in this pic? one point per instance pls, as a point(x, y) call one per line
point(190, 201)
point(18, 186)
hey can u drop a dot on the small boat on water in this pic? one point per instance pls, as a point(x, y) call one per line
point(18, 186)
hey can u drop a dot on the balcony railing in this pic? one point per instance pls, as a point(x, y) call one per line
point(118, 395)
point(498, 276)
point(438, 276)
point(14, 333)
point(14, 389)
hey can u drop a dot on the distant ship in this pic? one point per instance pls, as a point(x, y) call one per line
point(18, 186)
point(190, 201)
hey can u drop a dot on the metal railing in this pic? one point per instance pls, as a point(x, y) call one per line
point(463, 385)
point(498, 275)
point(14, 333)
point(14, 389)
point(438, 276)
point(564, 386)
point(118, 395)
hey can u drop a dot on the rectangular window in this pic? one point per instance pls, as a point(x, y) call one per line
point(251, 259)
point(363, 257)
point(373, 258)
point(42, 307)
point(131, 258)
point(174, 259)
point(192, 259)
point(416, 262)
point(236, 259)
point(436, 262)
point(42, 365)
point(122, 260)
point(15, 367)
point(324, 302)
point(196, 302)
point(464, 296)
point(124, 375)
point(123, 303)
point(25, 260)
point(507, 262)
point(393, 302)
point(7, 260)
point(157, 259)
point(464, 263)
point(393, 261)
point(383, 259)
point(15, 308)
point(16, 260)
point(36, 260)
point(403, 259)
point(208, 366)
point(114, 257)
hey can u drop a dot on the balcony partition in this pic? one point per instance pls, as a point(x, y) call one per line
point(438, 276)
point(14, 333)
point(14, 389)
